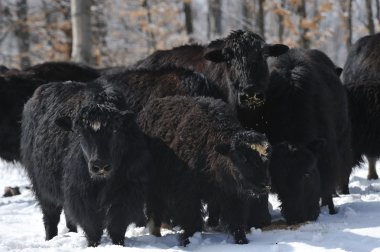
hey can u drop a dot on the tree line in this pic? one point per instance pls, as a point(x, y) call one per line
point(119, 32)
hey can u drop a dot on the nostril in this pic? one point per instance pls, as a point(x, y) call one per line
point(99, 167)
point(259, 96)
point(107, 168)
point(95, 168)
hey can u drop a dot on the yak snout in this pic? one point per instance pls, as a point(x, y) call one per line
point(250, 97)
point(99, 168)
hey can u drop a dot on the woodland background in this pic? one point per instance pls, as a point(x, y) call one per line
point(120, 32)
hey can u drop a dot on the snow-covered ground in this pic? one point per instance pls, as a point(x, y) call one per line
point(356, 227)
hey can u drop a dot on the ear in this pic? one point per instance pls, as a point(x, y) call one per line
point(64, 123)
point(128, 117)
point(214, 55)
point(317, 145)
point(274, 50)
point(338, 70)
point(223, 149)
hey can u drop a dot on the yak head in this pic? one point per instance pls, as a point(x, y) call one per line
point(245, 167)
point(245, 54)
point(296, 180)
point(100, 130)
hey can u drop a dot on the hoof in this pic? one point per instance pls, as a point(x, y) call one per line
point(93, 243)
point(153, 229)
point(372, 177)
point(156, 232)
point(119, 242)
point(333, 211)
point(242, 241)
point(240, 237)
point(183, 241)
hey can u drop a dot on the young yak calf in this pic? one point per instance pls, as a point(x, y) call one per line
point(202, 152)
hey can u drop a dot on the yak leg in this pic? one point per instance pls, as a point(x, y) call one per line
point(372, 174)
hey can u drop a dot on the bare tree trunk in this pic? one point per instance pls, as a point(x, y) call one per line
point(304, 40)
point(152, 40)
point(261, 19)
point(67, 27)
point(188, 17)
point(100, 33)
point(281, 24)
point(247, 9)
point(214, 17)
point(81, 21)
point(349, 25)
point(378, 10)
point(370, 24)
point(22, 33)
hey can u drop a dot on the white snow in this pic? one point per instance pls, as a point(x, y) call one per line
point(356, 226)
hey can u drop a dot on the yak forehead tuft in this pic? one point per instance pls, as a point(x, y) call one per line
point(261, 148)
point(95, 125)
point(243, 42)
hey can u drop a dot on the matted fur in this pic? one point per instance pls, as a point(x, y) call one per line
point(59, 162)
point(236, 65)
point(141, 85)
point(306, 102)
point(202, 153)
point(361, 77)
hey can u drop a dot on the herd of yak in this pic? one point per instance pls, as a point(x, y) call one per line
point(221, 125)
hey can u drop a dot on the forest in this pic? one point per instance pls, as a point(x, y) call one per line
point(120, 32)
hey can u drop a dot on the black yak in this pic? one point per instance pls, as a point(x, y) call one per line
point(295, 178)
point(16, 87)
point(201, 152)
point(85, 154)
point(361, 77)
point(236, 65)
point(306, 101)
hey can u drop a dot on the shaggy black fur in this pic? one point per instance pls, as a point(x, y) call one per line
point(16, 87)
point(295, 178)
point(361, 77)
point(62, 71)
point(236, 65)
point(3, 69)
point(141, 85)
point(364, 100)
point(202, 153)
point(83, 152)
point(305, 102)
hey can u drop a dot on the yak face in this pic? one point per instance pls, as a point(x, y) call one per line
point(100, 130)
point(295, 178)
point(248, 155)
point(245, 54)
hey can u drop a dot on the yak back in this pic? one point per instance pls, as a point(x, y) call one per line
point(362, 61)
point(141, 85)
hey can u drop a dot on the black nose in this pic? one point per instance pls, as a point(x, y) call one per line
point(99, 167)
point(252, 92)
point(259, 96)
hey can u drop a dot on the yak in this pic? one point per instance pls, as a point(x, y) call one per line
point(84, 153)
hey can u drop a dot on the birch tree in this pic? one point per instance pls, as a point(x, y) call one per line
point(22, 33)
point(81, 25)
point(370, 22)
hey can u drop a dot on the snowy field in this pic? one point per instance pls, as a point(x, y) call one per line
point(356, 227)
